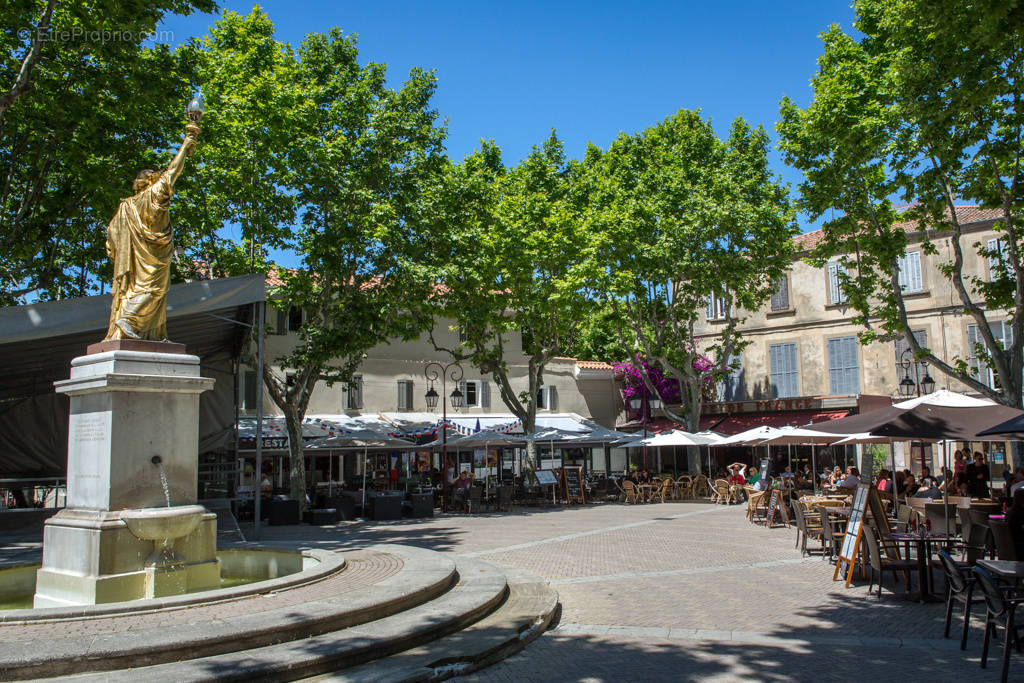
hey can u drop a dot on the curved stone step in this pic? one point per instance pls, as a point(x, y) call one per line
point(481, 587)
point(424, 576)
point(528, 611)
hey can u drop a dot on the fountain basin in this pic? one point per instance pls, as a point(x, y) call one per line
point(162, 524)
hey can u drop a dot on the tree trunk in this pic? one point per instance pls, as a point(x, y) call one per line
point(296, 461)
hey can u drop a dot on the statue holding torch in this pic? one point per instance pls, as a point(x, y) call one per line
point(140, 244)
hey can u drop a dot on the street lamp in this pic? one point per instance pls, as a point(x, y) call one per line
point(921, 383)
point(436, 371)
point(643, 404)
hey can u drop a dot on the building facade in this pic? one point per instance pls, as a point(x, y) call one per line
point(803, 347)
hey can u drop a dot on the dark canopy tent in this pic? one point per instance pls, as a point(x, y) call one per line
point(37, 343)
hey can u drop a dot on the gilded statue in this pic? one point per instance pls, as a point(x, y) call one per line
point(140, 244)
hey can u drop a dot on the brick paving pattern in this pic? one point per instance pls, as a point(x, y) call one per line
point(362, 568)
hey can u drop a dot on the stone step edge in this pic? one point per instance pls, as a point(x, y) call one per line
point(425, 575)
point(529, 611)
point(481, 588)
point(330, 563)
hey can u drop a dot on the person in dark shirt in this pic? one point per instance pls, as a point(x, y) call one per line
point(1015, 520)
point(645, 477)
point(977, 477)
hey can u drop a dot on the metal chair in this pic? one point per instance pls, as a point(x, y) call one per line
point(877, 564)
point(1000, 605)
point(1003, 538)
point(960, 584)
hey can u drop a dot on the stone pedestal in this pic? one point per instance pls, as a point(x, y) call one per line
point(127, 406)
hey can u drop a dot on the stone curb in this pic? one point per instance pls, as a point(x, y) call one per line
point(481, 587)
point(329, 564)
point(529, 610)
point(424, 576)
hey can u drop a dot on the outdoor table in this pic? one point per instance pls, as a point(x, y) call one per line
point(924, 542)
point(1008, 570)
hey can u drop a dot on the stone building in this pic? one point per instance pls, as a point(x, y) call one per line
point(804, 360)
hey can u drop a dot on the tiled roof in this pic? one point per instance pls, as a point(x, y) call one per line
point(593, 365)
point(966, 215)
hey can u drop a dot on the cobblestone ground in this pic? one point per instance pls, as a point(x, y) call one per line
point(686, 591)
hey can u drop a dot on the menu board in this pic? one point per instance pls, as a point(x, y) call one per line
point(545, 477)
point(851, 541)
point(773, 504)
point(572, 485)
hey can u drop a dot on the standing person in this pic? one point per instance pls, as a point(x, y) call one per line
point(959, 463)
point(977, 476)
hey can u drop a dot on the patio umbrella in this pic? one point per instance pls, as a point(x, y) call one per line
point(1012, 429)
point(676, 437)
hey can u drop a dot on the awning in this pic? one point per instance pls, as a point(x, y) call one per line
point(734, 424)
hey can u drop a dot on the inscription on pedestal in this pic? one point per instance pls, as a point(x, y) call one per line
point(89, 428)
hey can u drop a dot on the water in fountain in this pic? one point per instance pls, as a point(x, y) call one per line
point(158, 461)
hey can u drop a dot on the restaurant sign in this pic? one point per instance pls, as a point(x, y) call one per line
point(764, 406)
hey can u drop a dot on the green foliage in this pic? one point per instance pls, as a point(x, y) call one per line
point(675, 215)
point(881, 458)
point(925, 107)
point(509, 263)
point(97, 106)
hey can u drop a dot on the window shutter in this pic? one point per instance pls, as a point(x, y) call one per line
point(791, 371)
point(1001, 256)
point(710, 313)
point(462, 389)
point(282, 322)
point(915, 283)
point(404, 394)
point(552, 399)
point(973, 339)
point(901, 268)
point(780, 299)
point(834, 367)
point(485, 394)
point(835, 286)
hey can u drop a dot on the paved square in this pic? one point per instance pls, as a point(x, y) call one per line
point(685, 591)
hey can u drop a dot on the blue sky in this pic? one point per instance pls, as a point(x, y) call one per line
point(513, 71)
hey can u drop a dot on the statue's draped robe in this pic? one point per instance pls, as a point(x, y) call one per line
point(140, 243)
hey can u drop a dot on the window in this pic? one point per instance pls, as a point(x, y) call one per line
point(475, 393)
point(785, 377)
point(731, 388)
point(843, 372)
point(999, 254)
point(354, 393)
point(836, 295)
point(980, 370)
point(405, 395)
point(547, 398)
point(248, 390)
point(282, 323)
point(294, 318)
point(910, 272)
point(780, 299)
point(717, 309)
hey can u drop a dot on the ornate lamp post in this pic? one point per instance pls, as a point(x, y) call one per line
point(436, 371)
point(644, 404)
point(196, 107)
point(921, 383)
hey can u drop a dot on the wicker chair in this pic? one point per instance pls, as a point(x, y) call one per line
point(807, 526)
point(700, 487)
point(684, 487)
point(757, 504)
point(660, 491)
point(721, 492)
point(632, 492)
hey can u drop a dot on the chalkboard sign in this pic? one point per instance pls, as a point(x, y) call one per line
point(545, 477)
point(572, 485)
point(774, 507)
point(851, 541)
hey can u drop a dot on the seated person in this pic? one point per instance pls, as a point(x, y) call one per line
point(737, 476)
point(883, 481)
point(852, 479)
point(910, 486)
point(645, 477)
point(460, 487)
point(836, 477)
point(634, 477)
point(928, 489)
point(753, 477)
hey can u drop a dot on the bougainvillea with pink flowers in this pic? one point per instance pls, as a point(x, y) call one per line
point(667, 387)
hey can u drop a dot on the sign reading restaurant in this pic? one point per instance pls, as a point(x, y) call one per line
point(765, 406)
